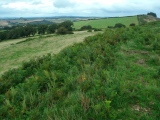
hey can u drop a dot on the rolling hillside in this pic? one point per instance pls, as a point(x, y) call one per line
point(109, 76)
point(104, 23)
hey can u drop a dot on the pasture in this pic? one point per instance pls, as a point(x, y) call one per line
point(14, 52)
point(104, 23)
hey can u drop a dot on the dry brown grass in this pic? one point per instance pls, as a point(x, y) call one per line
point(3, 23)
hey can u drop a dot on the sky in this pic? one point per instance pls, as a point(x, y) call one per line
point(94, 8)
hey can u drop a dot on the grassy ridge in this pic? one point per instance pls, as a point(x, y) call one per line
point(110, 76)
point(104, 23)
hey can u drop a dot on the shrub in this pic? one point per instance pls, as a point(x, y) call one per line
point(96, 29)
point(119, 25)
point(89, 31)
point(110, 27)
point(132, 24)
point(62, 31)
point(86, 27)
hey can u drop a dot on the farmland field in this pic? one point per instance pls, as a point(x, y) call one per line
point(13, 54)
point(3, 23)
point(104, 23)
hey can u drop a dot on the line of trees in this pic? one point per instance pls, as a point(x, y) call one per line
point(21, 31)
point(30, 30)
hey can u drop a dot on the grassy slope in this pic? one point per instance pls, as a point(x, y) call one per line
point(12, 54)
point(104, 23)
point(110, 76)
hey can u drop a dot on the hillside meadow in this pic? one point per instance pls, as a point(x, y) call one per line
point(109, 76)
point(104, 23)
point(15, 52)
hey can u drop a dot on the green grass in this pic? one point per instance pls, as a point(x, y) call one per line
point(104, 23)
point(14, 52)
point(110, 76)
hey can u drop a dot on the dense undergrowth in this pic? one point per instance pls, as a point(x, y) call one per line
point(110, 76)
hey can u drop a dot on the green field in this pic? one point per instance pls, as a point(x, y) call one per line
point(104, 23)
point(12, 54)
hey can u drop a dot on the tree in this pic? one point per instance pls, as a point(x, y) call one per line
point(152, 14)
point(62, 31)
point(28, 30)
point(52, 28)
point(34, 31)
point(3, 36)
point(42, 29)
point(66, 24)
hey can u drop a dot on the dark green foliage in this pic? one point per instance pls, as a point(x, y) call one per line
point(66, 24)
point(119, 25)
point(96, 29)
point(29, 30)
point(132, 24)
point(110, 27)
point(16, 76)
point(42, 29)
point(62, 31)
point(65, 28)
point(18, 32)
point(152, 14)
point(3, 36)
point(86, 27)
point(52, 28)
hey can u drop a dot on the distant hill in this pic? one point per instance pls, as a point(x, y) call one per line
point(105, 22)
point(96, 22)
point(146, 18)
point(46, 22)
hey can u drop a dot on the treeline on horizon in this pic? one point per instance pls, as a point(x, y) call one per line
point(31, 30)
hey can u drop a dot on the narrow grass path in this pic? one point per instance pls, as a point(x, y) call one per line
point(138, 73)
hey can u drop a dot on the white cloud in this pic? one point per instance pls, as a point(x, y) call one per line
point(63, 4)
point(23, 8)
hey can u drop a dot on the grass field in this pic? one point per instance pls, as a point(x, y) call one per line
point(104, 23)
point(12, 54)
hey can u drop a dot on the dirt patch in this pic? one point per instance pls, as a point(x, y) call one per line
point(141, 62)
point(140, 109)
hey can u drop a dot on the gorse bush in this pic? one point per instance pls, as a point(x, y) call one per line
point(97, 79)
point(16, 76)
